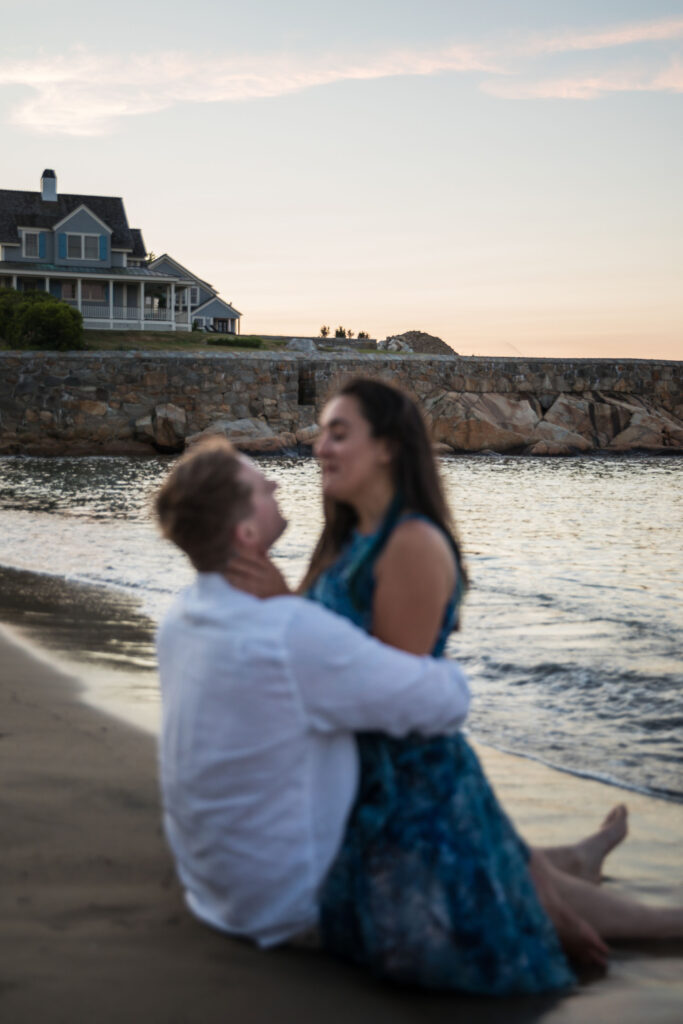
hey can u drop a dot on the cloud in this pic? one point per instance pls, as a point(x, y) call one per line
point(588, 87)
point(623, 35)
point(73, 95)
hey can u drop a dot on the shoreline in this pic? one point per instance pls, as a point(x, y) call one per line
point(102, 635)
point(93, 918)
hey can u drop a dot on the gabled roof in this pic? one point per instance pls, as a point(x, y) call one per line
point(184, 272)
point(230, 310)
point(29, 210)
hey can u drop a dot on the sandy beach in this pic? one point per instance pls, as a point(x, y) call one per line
point(93, 925)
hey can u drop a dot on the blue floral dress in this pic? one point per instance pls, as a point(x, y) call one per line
point(431, 885)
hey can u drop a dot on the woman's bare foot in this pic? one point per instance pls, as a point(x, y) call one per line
point(585, 858)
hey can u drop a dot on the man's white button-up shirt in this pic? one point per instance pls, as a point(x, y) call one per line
point(257, 755)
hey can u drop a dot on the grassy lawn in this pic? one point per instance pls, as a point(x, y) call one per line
point(175, 341)
point(179, 341)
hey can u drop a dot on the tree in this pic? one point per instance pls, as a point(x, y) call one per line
point(349, 333)
point(340, 332)
point(362, 335)
point(324, 331)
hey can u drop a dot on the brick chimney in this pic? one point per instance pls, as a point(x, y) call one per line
point(48, 186)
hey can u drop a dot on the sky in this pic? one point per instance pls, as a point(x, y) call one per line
point(505, 174)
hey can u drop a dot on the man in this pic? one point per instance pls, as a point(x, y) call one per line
point(260, 703)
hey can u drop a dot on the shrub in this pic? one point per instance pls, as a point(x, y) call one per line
point(340, 332)
point(37, 320)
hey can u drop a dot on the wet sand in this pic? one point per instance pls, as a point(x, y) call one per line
point(93, 927)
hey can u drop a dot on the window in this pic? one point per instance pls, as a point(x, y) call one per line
point(194, 296)
point(83, 247)
point(93, 291)
point(68, 289)
point(31, 243)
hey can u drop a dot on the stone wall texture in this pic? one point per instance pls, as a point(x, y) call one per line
point(144, 402)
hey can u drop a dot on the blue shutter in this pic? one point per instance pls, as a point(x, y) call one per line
point(103, 247)
point(41, 246)
point(61, 239)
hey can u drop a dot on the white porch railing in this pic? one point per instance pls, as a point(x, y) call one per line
point(101, 311)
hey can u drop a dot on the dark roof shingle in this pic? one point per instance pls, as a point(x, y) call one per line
point(28, 209)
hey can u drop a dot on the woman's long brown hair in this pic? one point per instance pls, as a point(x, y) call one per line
point(393, 416)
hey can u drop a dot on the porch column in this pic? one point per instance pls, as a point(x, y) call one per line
point(173, 305)
point(14, 281)
point(111, 305)
point(79, 295)
point(47, 284)
point(142, 305)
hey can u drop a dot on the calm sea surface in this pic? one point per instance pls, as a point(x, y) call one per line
point(572, 631)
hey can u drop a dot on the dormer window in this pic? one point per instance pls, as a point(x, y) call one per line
point(30, 243)
point(83, 247)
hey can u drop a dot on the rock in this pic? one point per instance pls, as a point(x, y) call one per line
point(92, 408)
point(548, 448)
point(555, 435)
point(649, 429)
point(302, 345)
point(248, 435)
point(169, 424)
point(164, 427)
point(307, 435)
point(417, 341)
point(592, 418)
point(441, 448)
point(470, 422)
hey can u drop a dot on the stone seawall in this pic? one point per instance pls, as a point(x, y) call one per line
point(144, 402)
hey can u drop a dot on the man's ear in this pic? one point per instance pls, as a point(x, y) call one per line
point(246, 534)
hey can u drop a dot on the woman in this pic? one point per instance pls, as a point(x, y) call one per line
point(432, 884)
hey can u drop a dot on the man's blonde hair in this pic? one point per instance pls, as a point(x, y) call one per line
point(202, 500)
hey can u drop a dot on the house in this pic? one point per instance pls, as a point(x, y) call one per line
point(81, 249)
point(207, 309)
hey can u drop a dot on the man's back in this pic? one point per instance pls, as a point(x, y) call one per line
point(241, 768)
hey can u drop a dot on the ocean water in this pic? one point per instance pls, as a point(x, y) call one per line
point(572, 630)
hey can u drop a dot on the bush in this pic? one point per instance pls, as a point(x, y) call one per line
point(37, 320)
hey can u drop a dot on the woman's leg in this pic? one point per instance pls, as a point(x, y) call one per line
point(611, 915)
point(585, 858)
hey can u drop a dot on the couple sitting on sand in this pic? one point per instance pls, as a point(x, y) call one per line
point(314, 779)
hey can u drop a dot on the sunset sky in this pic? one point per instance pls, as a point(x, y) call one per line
point(506, 175)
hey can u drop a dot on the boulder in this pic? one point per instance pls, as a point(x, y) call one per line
point(649, 430)
point(595, 419)
point(555, 435)
point(307, 435)
point(302, 345)
point(394, 345)
point(472, 422)
point(549, 448)
point(248, 435)
point(165, 427)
